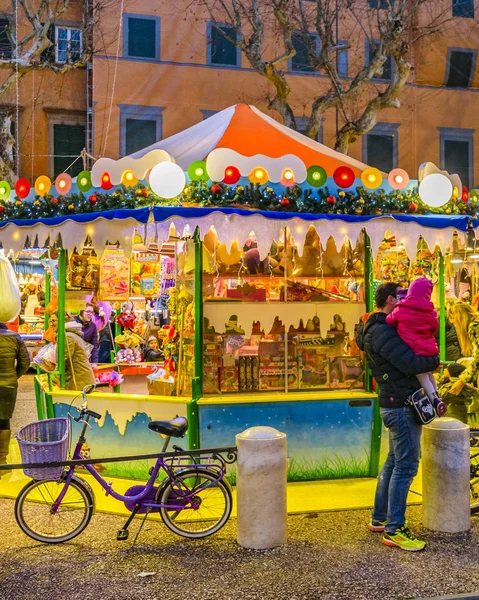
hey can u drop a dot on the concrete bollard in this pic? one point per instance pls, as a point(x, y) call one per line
point(445, 476)
point(261, 488)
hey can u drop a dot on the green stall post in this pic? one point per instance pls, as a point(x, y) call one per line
point(61, 338)
point(197, 383)
point(377, 422)
point(442, 310)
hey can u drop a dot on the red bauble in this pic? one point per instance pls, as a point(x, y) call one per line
point(465, 194)
point(54, 201)
point(106, 183)
point(22, 188)
point(412, 207)
point(215, 188)
point(2, 209)
point(145, 193)
point(92, 199)
point(343, 177)
point(331, 199)
point(232, 175)
point(284, 202)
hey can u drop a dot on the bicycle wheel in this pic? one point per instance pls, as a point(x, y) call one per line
point(33, 510)
point(206, 510)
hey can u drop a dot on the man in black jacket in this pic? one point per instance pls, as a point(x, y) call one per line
point(394, 366)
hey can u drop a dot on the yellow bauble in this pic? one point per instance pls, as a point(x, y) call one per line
point(361, 201)
point(71, 207)
point(448, 211)
point(18, 203)
point(36, 203)
point(186, 191)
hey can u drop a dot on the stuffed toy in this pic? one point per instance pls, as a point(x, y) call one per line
point(127, 317)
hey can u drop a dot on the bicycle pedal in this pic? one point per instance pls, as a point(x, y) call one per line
point(122, 534)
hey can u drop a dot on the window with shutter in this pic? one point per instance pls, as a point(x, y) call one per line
point(463, 8)
point(140, 133)
point(48, 55)
point(457, 159)
point(222, 51)
point(142, 37)
point(387, 66)
point(68, 142)
point(460, 68)
point(6, 47)
point(301, 61)
point(380, 150)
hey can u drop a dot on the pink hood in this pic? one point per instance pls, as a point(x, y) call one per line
point(415, 318)
point(420, 289)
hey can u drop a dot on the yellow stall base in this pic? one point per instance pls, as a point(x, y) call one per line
point(303, 497)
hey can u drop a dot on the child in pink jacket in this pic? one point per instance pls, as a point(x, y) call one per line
point(416, 322)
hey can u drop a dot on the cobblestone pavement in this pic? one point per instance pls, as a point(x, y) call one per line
point(329, 556)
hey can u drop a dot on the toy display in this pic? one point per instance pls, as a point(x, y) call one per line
point(114, 275)
point(392, 263)
point(145, 274)
point(82, 272)
point(346, 372)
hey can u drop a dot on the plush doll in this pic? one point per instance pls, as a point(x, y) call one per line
point(127, 317)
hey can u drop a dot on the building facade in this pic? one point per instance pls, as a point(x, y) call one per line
point(47, 110)
point(160, 67)
point(170, 68)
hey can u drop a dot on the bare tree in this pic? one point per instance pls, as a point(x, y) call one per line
point(34, 51)
point(389, 27)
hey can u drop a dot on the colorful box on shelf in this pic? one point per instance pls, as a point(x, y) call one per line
point(229, 379)
point(272, 376)
point(346, 372)
point(313, 367)
point(211, 379)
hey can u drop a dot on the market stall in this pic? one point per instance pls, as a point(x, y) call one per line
point(253, 287)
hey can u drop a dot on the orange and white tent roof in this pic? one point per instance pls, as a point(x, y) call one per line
point(248, 132)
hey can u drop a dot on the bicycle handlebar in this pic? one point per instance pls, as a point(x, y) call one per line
point(88, 389)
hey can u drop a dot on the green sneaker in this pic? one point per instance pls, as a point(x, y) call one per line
point(376, 526)
point(404, 539)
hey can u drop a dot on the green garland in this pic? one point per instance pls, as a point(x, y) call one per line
point(253, 196)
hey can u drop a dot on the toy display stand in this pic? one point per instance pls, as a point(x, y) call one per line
point(252, 341)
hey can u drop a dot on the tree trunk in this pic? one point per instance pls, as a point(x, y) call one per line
point(7, 145)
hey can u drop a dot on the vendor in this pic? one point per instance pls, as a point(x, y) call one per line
point(78, 371)
point(151, 352)
point(89, 330)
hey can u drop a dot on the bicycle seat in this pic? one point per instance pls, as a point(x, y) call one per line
point(174, 428)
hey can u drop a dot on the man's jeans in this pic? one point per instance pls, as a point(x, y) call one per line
point(400, 467)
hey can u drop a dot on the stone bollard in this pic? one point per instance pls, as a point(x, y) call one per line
point(445, 476)
point(261, 488)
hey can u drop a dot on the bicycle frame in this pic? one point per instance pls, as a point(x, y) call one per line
point(160, 464)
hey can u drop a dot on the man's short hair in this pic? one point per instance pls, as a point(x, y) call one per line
point(384, 291)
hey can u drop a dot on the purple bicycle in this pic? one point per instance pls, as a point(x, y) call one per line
point(194, 499)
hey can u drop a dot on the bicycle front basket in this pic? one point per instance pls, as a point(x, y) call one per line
point(44, 441)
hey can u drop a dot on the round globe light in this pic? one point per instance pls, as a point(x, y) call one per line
point(167, 180)
point(435, 190)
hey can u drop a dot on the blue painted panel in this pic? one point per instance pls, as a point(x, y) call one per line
point(107, 440)
point(325, 438)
